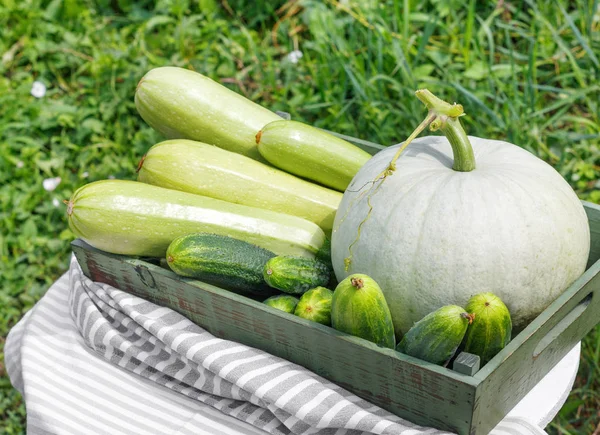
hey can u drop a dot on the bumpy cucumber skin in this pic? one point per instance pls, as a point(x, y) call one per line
point(324, 254)
point(295, 275)
point(359, 308)
point(207, 170)
point(436, 337)
point(220, 260)
point(286, 303)
point(311, 153)
point(183, 104)
point(491, 329)
point(131, 218)
point(315, 305)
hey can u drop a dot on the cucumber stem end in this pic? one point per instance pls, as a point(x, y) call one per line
point(358, 283)
point(469, 317)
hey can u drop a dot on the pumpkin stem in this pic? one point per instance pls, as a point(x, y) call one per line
point(447, 122)
point(442, 116)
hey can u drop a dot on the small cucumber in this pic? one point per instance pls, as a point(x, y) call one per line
point(208, 170)
point(324, 254)
point(285, 303)
point(220, 260)
point(491, 329)
point(183, 104)
point(131, 218)
point(315, 305)
point(295, 275)
point(310, 153)
point(436, 337)
point(359, 308)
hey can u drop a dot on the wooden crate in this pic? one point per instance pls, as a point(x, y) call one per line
point(416, 390)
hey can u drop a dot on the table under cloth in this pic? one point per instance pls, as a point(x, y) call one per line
point(89, 358)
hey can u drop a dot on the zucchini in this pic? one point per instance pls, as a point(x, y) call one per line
point(220, 260)
point(286, 303)
point(359, 308)
point(295, 275)
point(436, 337)
point(131, 218)
point(315, 305)
point(207, 170)
point(491, 329)
point(183, 104)
point(310, 153)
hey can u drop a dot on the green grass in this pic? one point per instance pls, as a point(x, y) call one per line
point(526, 72)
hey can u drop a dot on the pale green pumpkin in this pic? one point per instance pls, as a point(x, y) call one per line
point(505, 222)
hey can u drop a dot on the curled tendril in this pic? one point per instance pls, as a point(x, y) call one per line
point(439, 114)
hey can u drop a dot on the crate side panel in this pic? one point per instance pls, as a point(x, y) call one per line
point(506, 383)
point(422, 396)
point(593, 214)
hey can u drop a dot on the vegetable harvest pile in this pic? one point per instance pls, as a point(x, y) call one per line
point(438, 244)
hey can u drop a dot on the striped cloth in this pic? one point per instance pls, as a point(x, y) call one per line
point(89, 358)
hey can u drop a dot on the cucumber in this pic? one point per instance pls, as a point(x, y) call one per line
point(359, 308)
point(436, 337)
point(310, 153)
point(207, 170)
point(295, 275)
point(220, 260)
point(315, 305)
point(285, 303)
point(131, 218)
point(324, 254)
point(183, 104)
point(491, 329)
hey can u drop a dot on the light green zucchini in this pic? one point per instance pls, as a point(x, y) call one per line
point(207, 170)
point(127, 217)
point(310, 153)
point(180, 103)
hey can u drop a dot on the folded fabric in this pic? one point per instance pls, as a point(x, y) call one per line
point(160, 355)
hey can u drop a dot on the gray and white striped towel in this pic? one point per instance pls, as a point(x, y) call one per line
point(90, 358)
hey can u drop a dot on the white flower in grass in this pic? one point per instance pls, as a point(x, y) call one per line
point(85, 174)
point(51, 183)
point(55, 202)
point(111, 177)
point(294, 56)
point(38, 89)
point(20, 164)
